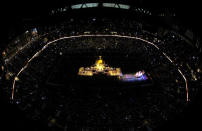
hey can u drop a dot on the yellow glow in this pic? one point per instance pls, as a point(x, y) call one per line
point(99, 64)
point(89, 73)
point(16, 78)
point(84, 72)
point(3, 53)
point(99, 67)
point(116, 72)
point(81, 69)
point(100, 61)
point(2, 68)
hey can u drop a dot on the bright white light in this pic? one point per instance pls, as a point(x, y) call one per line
point(108, 4)
point(90, 5)
point(138, 74)
point(78, 6)
point(122, 6)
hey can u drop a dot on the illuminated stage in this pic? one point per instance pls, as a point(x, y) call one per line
point(101, 68)
point(138, 76)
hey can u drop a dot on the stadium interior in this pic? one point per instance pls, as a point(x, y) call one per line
point(100, 65)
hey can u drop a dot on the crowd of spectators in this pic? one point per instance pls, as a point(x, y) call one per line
point(62, 105)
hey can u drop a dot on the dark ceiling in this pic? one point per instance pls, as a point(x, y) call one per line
point(16, 14)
